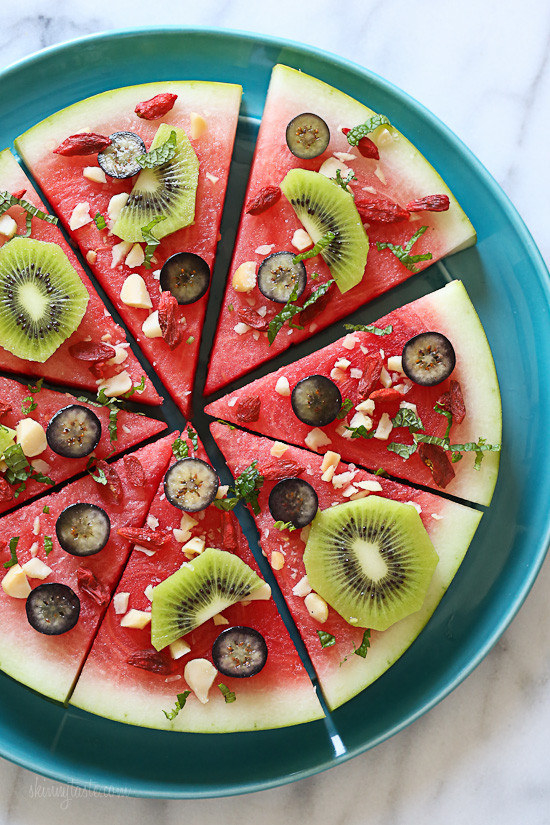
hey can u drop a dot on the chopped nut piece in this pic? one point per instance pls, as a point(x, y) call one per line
point(244, 277)
point(316, 607)
point(279, 449)
point(134, 292)
point(80, 216)
point(31, 437)
point(15, 583)
point(136, 618)
point(151, 327)
point(277, 560)
point(120, 602)
point(316, 438)
point(36, 569)
point(199, 675)
point(282, 387)
point(115, 205)
point(179, 648)
point(384, 427)
point(135, 257)
point(198, 126)
point(219, 619)
point(8, 227)
point(95, 174)
point(302, 588)
point(91, 256)
point(301, 240)
point(116, 385)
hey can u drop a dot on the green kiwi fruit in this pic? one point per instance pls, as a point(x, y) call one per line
point(42, 299)
point(322, 206)
point(371, 560)
point(166, 191)
point(198, 591)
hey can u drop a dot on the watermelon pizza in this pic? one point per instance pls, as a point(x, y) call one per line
point(185, 685)
point(440, 428)
point(331, 172)
point(61, 561)
point(348, 656)
point(97, 351)
point(184, 133)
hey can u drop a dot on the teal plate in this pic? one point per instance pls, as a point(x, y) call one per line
point(508, 283)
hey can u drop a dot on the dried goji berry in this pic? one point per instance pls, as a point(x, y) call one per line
point(19, 194)
point(6, 493)
point(366, 146)
point(263, 200)
point(453, 402)
point(282, 468)
point(157, 106)
point(89, 584)
point(431, 203)
point(437, 461)
point(380, 210)
point(250, 317)
point(386, 394)
point(134, 471)
point(98, 369)
point(153, 660)
point(372, 367)
point(144, 536)
point(248, 409)
point(311, 312)
point(168, 322)
point(114, 484)
point(90, 351)
point(86, 143)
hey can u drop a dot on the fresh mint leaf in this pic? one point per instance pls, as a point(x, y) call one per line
point(46, 509)
point(37, 387)
point(41, 478)
point(321, 244)
point(326, 639)
point(246, 489)
point(361, 432)
point(101, 478)
point(100, 221)
point(405, 417)
point(180, 448)
point(364, 646)
point(48, 545)
point(28, 405)
point(347, 405)
point(354, 135)
point(180, 704)
point(19, 470)
point(369, 328)
point(381, 472)
point(228, 695)
point(162, 154)
point(403, 450)
point(13, 553)
point(344, 182)
point(28, 226)
point(150, 239)
point(193, 438)
point(7, 200)
point(290, 309)
point(448, 415)
point(136, 388)
point(402, 253)
point(226, 423)
point(284, 525)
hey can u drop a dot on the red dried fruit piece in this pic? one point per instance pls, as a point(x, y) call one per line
point(263, 200)
point(386, 394)
point(250, 317)
point(282, 468)
point(87, 143)
point(114, 484)
point(248, 409)
point(156, 106)
point(229, 532)
point(168, 322)
point(134, 471)
point(6, 493)
point(372, 367)
point(90, 351)
point(311, 312)
point(98, 369)
point(436, 459)
point(144, 536)
point(88, 583)
point(453, 402)
point(380, 210)
point(366, 146)
point(153, 660)
point(19, 194)
point(431, 203)
point(4, 409)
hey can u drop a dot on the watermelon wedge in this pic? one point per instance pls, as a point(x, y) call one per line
point(97, 325)
point(208, 113)
point(400, 175)
point(366, 365)
point(16, 404)
point(342, 674)
point(125, 679)
point(50, 664)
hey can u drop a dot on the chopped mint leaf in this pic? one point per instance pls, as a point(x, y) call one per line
point(46, 509)
point(403, 450)
point(191, 339)
point(321, 244)
point(151, 241)
point(180, 704)
point(13, 552)
point(284, 525)
point(343, 182)
point(37, 387)
point(290, 310)
point(100, 221)
point(7, 200)
point(354, 135)
point(193, 438)
point(448, 415)
point(455, 457)
point(347, 405)
point(361, 432)
point(406, 417)
point(162, 154)
point(247, 487)
point(226, 423)
point(48, 545)
point(18, 466)
point(229, 696)
point(101, 478)
point(369, 328)
point(42, 479)
point(230, 307)
point(381, 472)
point(28, 226)
point(364, 646)
point(113, 423)
point(180, 448)
point(421, 438)
point(136, 388)
point(28, 405)
point(326, 639)
point(402, 253)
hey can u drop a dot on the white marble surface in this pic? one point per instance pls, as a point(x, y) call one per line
point(481, 756)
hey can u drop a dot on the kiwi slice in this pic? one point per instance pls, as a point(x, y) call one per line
point(42, 299)
point(167, 191)
point(371, 560)
point(198, 591)
point(323, 207)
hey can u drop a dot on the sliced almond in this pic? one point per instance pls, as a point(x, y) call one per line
point(199, 675)
point(151, 326)
point(137, 619)
point(15, 583)
point(134, 292)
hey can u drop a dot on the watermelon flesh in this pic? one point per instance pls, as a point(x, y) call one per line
point(451, 527)
point(61, 179)
point(131, 430)
point(97, 323)
point(280, 694)
point(447, 310)
point(50, 664)
point(402, 174)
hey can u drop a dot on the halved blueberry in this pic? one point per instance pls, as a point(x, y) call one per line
point(118, 160)
point(428, 358)
point(191, 484)
point(74, 431)
point(83, 529)
point(239, 652)
point(316, 400)
point(278, 276)
point(186, 276)
point(52, 608)
point(293, 500)
point(307, 135)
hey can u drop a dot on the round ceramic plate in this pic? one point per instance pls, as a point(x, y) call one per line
point(507, 282)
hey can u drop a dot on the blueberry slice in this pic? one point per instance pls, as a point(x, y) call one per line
point(186, 276)
point(118, 160)
point(277, 277)
point(52, 608)
point(191, 484)
point(293, 500)
point(74, 431)
point(83, 529)
point(307, 136)
point(428, 358)
point(316, 400)
point(239, 652)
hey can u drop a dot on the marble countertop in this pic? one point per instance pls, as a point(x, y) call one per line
point(480, 756)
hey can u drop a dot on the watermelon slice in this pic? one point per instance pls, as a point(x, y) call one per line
point(355, 364)
point(50, 664)
point(63, 183)
point(110, 685)
point(96, 326)
point(451, 526)
point(401, 175)
point(16, 403)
